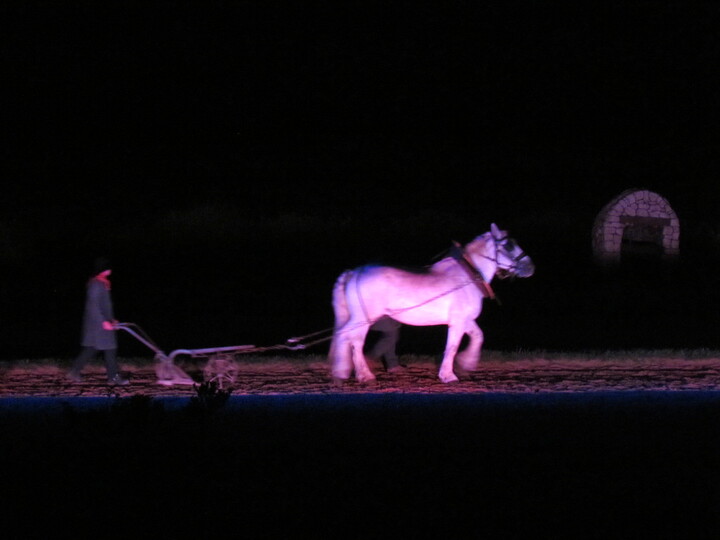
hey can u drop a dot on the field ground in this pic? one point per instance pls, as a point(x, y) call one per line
point(498, 372)
point(532, 445)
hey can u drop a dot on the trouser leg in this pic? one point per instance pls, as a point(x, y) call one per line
point(86, 354)
point(391, 361)
point(111, 362)
point(385, 349)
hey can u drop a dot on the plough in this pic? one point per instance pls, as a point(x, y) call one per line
point(221, 367)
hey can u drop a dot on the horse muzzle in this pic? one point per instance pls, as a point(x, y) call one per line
point(524, 268)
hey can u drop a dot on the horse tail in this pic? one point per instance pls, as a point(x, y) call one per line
point(342, 312)
point(339, 299)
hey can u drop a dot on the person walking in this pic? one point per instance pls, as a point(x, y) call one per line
point(98, 328)
point(384, 347)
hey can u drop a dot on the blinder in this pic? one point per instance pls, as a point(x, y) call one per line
point(508, 246)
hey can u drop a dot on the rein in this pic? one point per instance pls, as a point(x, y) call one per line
point(457, 252)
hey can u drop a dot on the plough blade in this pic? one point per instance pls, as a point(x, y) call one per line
point(169, 374)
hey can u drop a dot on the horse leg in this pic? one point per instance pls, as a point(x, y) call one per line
point(455, 334)
point(470, 357)
point(346, 352)
point(357, 341)
point(341, 355)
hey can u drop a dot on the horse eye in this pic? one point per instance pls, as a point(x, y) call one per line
point(509, 245)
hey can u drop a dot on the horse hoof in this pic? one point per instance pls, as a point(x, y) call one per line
point(448, 380)
point(463, 368)
point(337, 382)
point(467, 364)
point(461, 372)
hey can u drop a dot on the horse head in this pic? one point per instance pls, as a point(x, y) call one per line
point(511, 259)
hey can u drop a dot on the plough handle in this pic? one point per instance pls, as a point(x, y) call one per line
point(137, 332)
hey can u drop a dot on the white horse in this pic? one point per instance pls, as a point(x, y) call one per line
point(450, 292)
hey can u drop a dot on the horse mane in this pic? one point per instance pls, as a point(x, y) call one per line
point(418, 270)
point(478, 244)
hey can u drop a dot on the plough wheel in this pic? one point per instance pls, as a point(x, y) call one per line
point(222, 369)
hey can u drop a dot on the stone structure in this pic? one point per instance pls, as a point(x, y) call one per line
point(636, 223)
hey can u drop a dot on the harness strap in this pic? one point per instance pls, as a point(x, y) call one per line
point(458, 253)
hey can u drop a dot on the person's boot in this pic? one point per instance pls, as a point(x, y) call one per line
point(118, 380)
point(393, 365)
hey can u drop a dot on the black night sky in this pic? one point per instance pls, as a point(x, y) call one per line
point(232, 158)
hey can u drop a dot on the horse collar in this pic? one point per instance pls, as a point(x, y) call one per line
point(458, 253)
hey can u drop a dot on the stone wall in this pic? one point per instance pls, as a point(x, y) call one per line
point(634, 208)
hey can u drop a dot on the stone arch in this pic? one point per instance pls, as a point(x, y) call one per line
point(635, 220)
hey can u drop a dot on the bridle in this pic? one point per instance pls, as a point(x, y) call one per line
point(504, 242)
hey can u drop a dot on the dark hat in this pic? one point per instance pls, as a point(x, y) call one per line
point(100, 265)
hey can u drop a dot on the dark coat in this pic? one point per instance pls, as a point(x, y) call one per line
point(98, 308)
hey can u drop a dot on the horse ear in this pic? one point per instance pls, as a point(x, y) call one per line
point(495, 231)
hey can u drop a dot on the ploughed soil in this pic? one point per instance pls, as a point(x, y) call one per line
point(538, 446)
point(498, 373)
